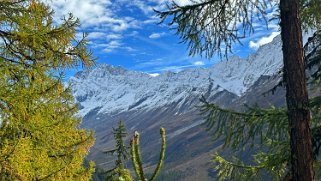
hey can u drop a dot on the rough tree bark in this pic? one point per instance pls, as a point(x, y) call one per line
point(296, 92)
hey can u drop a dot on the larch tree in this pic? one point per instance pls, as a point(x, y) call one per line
point(137, 161)
point(208, 25)
point(40, 137)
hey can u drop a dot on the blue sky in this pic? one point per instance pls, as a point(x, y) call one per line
point(126, 33)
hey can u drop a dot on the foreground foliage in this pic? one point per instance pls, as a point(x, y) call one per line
point(264, 131)
point(137, 158)
point(285, 135)
point(40, 137)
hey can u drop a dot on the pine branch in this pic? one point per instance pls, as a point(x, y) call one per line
point(234, 171)
point(275, 163)
point(209, 25)
point(138, 156)
point(133, 157)
point(137, 161)
point(161, 156)
point(241, 128)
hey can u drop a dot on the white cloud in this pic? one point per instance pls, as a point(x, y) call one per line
point(152, 20)
point(112, 45)
point(143, 6)
point(93, 13)
point(156, 35)
point(129, 49)
point(263, 40)
point(186, 2)
point(154, 43)
point(88, 11)
point(199, 63)
point(113, 36)
point(96, 35)
point(154, 74)
point(133, 33)
point(106, 26)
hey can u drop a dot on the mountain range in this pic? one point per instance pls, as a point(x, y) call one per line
point(145, 103)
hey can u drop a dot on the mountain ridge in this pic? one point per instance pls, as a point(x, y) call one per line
point(113, 90)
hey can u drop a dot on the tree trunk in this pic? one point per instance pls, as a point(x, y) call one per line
point(296, 92)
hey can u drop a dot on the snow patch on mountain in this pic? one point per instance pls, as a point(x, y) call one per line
point(110, 89)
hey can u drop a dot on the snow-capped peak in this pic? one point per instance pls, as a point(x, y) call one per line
point(109, 89)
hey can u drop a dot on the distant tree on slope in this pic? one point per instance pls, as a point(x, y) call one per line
point(208, 25)
point(40, 136)
point(119, 172)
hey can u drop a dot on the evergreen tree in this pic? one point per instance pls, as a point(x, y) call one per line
point(119, 172)
point(206, 26)
point(40, 136)
point(121, 149)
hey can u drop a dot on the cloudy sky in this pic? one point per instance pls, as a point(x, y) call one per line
point(127, 33)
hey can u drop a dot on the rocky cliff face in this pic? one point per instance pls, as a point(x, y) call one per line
point(145, 103)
